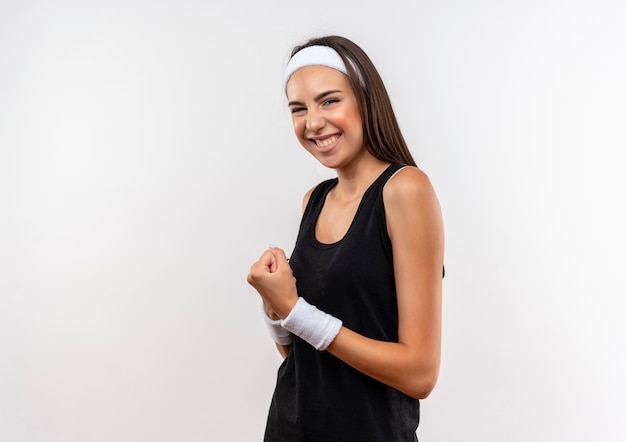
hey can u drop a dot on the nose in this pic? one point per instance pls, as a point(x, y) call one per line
point(314, 121)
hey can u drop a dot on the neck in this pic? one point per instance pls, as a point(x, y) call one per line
point(358, 176)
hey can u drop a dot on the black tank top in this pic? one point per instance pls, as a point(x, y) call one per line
point(318, 397)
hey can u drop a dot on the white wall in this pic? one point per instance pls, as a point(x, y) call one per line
point(146, 159)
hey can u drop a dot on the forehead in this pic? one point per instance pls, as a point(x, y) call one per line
point(316, 79)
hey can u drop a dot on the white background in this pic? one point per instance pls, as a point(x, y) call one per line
point(147, 159)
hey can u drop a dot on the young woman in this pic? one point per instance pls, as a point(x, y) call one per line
point(356, 310)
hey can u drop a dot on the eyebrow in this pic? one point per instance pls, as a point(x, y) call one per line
point(317, 97)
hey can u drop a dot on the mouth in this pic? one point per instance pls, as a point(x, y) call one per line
point(326, 141)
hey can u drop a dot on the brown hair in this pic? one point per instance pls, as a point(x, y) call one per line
point(381, 132)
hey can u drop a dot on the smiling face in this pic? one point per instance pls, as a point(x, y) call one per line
point(326, 116)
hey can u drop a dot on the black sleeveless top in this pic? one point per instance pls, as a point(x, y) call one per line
point(319, 398)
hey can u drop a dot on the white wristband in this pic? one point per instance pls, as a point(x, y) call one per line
point(314, 326)
point(279, 334)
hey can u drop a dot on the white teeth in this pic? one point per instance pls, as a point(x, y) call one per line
point(326, 142)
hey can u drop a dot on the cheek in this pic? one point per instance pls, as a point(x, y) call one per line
point(353, 120)
point(351, 116)
point(356, 116)
point(298, 126)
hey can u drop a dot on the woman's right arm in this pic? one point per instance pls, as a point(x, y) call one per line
point(284, 349)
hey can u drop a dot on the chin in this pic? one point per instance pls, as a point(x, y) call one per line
point(331, 164)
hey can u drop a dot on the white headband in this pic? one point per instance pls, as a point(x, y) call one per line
point(315, 56)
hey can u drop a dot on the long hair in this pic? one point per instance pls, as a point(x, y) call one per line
point(381, 133)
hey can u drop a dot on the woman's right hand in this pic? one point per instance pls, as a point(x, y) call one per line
point(272, 277)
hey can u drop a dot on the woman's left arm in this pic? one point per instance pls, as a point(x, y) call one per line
point(415, 227)
point(416, 230)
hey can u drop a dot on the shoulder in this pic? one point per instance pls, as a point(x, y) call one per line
point(316, 189)
point(411, 205)
point(407, 186)
point(307, 197)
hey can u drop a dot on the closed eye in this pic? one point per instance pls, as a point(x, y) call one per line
point(295, 110)
point(330, 101)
